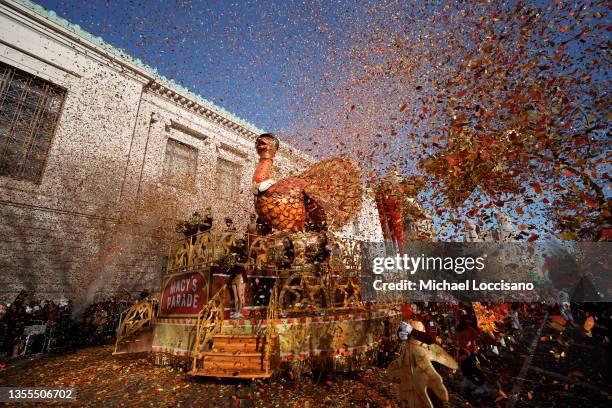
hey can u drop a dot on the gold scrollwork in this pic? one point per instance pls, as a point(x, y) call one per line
point(209, 324)
point(202, 249)
point(303, 291)
point(135, 318)
point(271, 332)
point(348, 292)
point(259, 251)
point(352, 254)
point(179, 258)
point(227, 242)
point(345, 256)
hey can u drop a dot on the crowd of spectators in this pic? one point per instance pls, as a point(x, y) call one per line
point(30, 326)
point(457, 329)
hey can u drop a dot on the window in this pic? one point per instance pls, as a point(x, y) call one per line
point(228, 179)
point(356, 229)
point(30, 108)
point(180, 164)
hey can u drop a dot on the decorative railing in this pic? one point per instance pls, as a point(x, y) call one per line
point(271, 333)
point(208, 249)
point(203, 249)
point(320, 271)
point(135, 318)
point(346, 254)
point(209, 323)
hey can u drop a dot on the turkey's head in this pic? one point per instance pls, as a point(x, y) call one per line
point(266, 145)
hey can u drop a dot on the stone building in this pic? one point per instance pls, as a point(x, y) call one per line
point(418, 222)
point(100, 155)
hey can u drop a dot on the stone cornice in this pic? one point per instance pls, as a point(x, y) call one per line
point(95, 47)
point(23, 11)
point(234, 150)
point(185, 129)
point(155, 83)
point(200, 109)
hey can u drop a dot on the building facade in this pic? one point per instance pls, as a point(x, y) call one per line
point(99, 156)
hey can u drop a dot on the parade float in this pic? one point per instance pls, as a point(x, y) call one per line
point(294, 284)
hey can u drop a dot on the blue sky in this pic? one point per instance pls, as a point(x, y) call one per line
point(281, 65)
point(256, 59)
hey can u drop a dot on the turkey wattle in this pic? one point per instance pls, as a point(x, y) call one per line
point(327, 195)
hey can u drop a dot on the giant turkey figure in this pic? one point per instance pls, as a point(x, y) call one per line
point(327, 195)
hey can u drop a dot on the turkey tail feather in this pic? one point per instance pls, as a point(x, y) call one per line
point(335, 186)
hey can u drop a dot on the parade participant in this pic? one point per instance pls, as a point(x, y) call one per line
point(262, 228)
point(406, 328)
point(252, 230)
point(207, 221)
point(474, 381)
point(195, 224)
point(468, 339)
point(252, 227)
point(229, 225)
point(237, 279)
point(564, 306)
point(406, 332)
point(420, 385)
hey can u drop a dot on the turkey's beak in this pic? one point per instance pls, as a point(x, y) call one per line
point(265, 147)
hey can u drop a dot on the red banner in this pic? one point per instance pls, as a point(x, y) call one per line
point(184, 295)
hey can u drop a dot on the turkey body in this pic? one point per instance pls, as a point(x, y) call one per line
point(282, 206)
point(328, 194)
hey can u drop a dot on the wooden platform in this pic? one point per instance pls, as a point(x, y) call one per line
point(235, 356)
